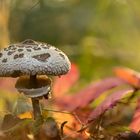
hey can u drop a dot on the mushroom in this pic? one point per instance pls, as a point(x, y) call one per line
point(32, 62)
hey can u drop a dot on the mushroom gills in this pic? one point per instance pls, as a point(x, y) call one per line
point(42, 89)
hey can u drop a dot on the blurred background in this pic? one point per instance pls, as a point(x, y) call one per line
point(96, 35)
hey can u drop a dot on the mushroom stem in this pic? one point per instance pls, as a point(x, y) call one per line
point(36, 108)
point(35, 101)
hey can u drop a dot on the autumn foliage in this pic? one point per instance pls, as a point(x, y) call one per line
point(101, 110)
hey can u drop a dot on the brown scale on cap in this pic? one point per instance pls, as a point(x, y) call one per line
point(15, 56)
point(42, 57)
point(18, 46)
point(1, 55)
point(62, 55)
point(29, 41)
point(45, 47)
point(21, 55)
point(56, 49)
point(4, 60)
point(29, 50)
point(10, 52)
point(13, 48)
point(10, 48)
point(6, 49)
point(28, 46)
point(20, 50)
point(37, 48)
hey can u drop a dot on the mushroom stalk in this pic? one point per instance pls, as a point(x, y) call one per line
point(36, 108)
point(35, 101)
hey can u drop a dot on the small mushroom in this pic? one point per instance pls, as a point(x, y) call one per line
point(29, 60)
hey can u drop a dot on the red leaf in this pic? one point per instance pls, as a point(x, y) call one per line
point(63, 84)
point(135, 124)
point(128, 75)
point(89, 94)
point(108, 103)
point(8, 84)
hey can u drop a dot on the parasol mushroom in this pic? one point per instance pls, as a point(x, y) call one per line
point(29, 60)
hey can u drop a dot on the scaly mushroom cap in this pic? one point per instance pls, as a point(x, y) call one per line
point(32, 58)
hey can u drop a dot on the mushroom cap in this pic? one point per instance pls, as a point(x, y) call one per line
point(33, 58)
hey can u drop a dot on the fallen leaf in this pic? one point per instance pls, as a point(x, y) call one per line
point(9, 121)
point(128, 75)
point(109, 103)
point(135, 124)
point(8, 84)
point(89, 94)
point(26, 115)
